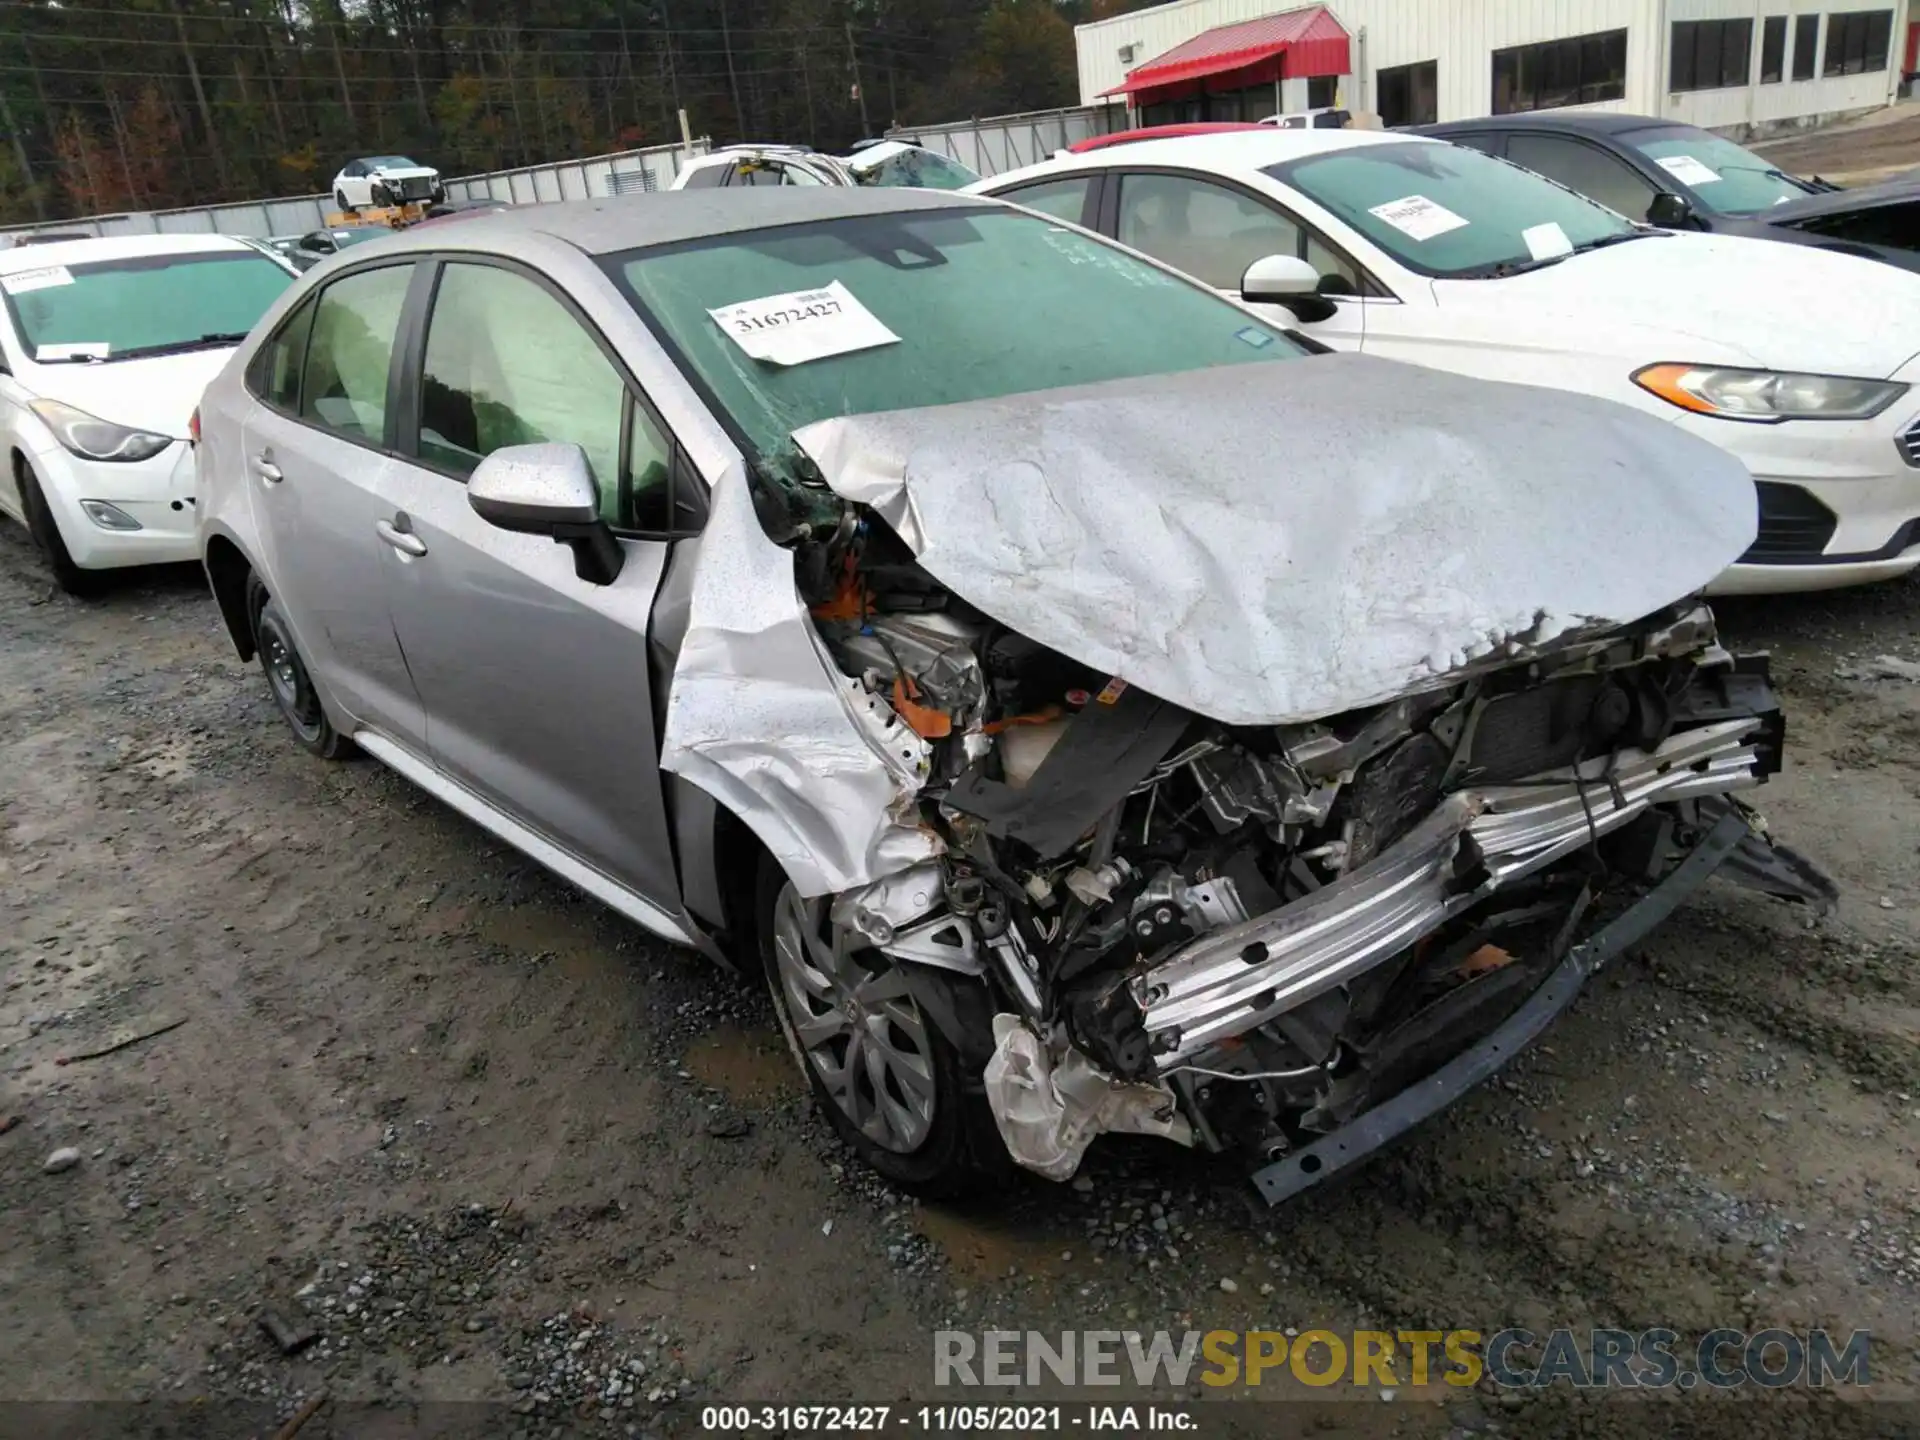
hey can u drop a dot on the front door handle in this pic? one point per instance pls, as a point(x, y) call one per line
point(405, 541)
point(264, 467)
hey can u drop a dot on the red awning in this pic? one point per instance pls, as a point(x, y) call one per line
point(1254, 52)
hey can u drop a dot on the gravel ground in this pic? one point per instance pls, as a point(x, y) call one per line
point(470, 1137)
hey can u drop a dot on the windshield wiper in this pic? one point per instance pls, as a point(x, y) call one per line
point(1505, 268)
point(178, 347)
point(1602, 241)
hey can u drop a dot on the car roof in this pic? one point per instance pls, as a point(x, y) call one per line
point(111, 247)
point(1580, 122)
point(627, 222)
point(1229, 152)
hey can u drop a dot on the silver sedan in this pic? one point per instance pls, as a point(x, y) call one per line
point(1089, 706)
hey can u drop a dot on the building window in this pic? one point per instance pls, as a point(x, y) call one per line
point(1711, 54)
point(1773, 50)
point(1579, 71)
point(1806, 45)
point(1857, 42)
point(1320, 90)
point(1408, 94)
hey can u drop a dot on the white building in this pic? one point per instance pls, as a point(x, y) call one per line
point(1747, 65)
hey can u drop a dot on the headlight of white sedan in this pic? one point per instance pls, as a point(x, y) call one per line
point(1767, 395)
point(92, 438)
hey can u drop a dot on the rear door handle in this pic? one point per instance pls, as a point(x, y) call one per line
point(405, 541)
point(264, 467)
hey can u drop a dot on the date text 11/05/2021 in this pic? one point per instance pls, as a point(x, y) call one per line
point(939, 1419)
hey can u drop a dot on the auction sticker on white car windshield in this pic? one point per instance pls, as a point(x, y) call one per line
point(22, 282)
point(1689, 171)
point(1546, 242)
point(804, 325)
point(1417, 217)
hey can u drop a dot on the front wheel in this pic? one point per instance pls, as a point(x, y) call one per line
point(289, 682)
point(892, 1085)
point(46, 535)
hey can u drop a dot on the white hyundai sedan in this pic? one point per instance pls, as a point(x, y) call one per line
point(105, 348)
point(1800, 362)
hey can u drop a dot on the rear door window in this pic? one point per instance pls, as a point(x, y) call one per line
point(274, 375)
point(344, 381)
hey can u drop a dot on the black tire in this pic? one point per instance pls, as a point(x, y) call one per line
point(340, 199)
point(288, 681)
point(46, 535)
point(381, 195)
point(960, 1152)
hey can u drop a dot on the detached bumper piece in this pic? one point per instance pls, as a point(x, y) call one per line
point(1367, 1133)
point(1474, 843)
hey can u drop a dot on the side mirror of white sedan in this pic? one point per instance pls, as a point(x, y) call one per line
point(1290, 281)
point(1278, 279)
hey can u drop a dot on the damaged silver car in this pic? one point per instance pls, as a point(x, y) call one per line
point(1092, 708)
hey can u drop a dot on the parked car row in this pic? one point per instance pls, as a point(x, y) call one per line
point(1062, 646)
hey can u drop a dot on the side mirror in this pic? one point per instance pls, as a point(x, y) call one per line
point(1286, 280)
point(1670, 211)
point(548, 490)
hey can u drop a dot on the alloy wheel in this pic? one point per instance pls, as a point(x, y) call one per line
point(859, 1029)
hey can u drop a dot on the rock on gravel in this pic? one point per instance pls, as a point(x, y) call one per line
point(65, 1158)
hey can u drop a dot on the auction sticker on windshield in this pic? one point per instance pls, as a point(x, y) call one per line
point(1689, 171)
point(1418, 217)
point(1546, 242)
point(803, 325)
point(22, 282)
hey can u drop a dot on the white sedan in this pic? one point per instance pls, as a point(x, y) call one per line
point(105, 348)
point(1800, 362)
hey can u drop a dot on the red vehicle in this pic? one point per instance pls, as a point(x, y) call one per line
point(1160, 132)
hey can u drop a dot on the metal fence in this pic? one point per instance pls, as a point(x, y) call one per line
point(624, 173)
point(1000, 143)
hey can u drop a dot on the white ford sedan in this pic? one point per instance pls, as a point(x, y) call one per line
point(105, 348)
point(1800, 362)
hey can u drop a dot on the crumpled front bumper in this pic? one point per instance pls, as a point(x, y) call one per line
point(1369, 1131)
point(1227, 982)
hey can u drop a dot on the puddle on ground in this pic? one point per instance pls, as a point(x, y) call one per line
point(752, 1068)
point(986, 1246)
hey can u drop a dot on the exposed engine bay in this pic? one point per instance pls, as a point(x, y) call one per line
point(1244, 937)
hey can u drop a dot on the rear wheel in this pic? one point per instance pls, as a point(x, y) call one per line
point(288, 681)
point(340, 199)
point(46, 535)
point(893, 1086)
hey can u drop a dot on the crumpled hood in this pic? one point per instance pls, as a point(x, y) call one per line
point(403, 172)
point(1271, 543)
point(1714, 299)
point(156, 394)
